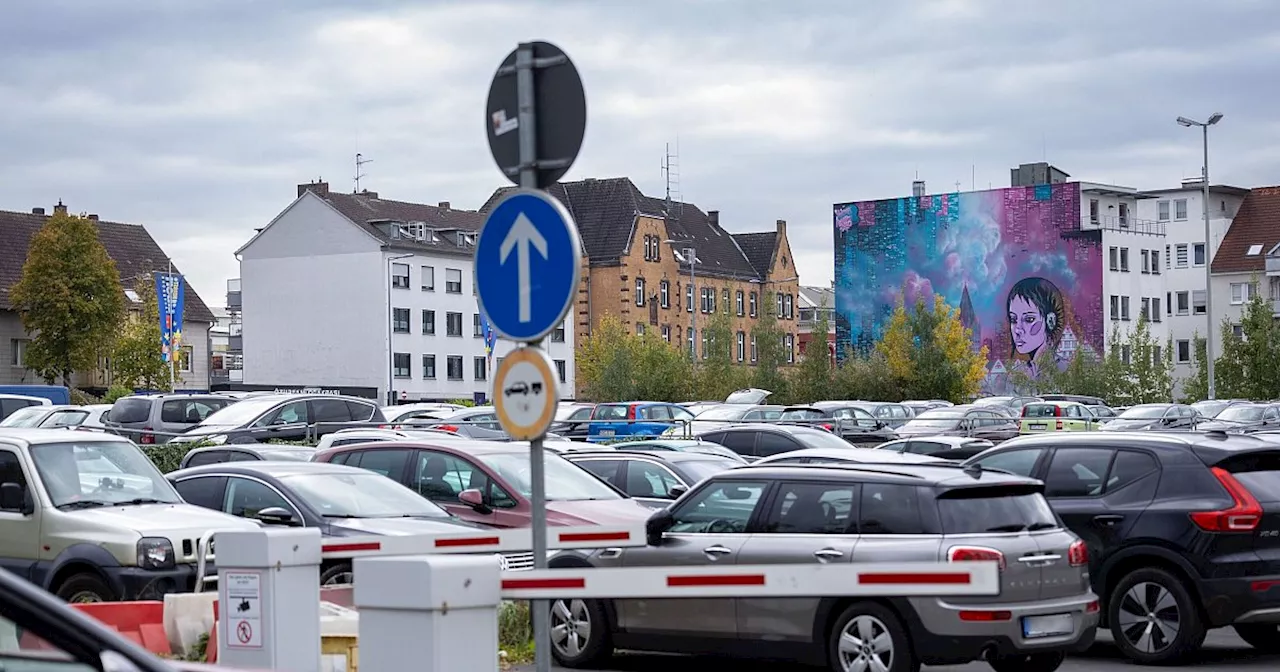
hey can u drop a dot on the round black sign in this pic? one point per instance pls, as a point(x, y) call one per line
point(560, 114)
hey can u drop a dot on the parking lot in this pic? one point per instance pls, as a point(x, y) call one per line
point(1222, 651)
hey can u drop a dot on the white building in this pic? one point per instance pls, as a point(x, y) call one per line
point(1248, 260)
point(355, 292)
point(1180, 211)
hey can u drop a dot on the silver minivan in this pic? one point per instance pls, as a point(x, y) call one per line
point(157, 418)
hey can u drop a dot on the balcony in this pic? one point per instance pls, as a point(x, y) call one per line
point(1128, 224)
point(1273, 264)
point(233, 295)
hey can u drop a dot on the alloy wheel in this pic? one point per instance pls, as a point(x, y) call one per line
point(1149, 617)
point(340, 579)
point(865, 645)
point(570, 627)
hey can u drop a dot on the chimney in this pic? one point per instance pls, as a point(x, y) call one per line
point(917, 188)
point(317, 188)
point(93, 218)
point(368, 194)
point(60, 208)
point(444, 205)
point(713, 216)
point(782, 227)
point(37, 211)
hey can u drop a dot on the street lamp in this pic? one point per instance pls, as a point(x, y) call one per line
point(690, 255)
point(1208, 245)
point(391, 351)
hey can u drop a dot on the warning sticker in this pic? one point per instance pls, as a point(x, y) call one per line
point(243, 608)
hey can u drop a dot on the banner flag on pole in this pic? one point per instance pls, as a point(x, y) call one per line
point(169, 300)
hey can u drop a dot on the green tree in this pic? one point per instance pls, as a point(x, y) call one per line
point(1231, 366)
point(814, 379)
point(930, 353)
point(1150, 368)
point(1085, 374)
point(863, 377)
point(1259, 350)
point(665, 373)
point(1115, 371)
point(771, 355)
point(1196, 386)
point(69, 298)
point(136, 360)
point(605, 364)
point(716, 375)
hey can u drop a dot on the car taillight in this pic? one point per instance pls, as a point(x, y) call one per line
point(975, 554)
point(1057, 411)
point(1059, 425)
point(1243, 515)
point(829, 428)
point(447, 428)
point(148, 438)
point(631, 412)
point(1078, 554)
point(985, 616)
point(1024, 411)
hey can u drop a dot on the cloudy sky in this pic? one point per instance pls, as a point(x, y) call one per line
point(198, 119)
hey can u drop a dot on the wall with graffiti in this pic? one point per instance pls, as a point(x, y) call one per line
point(1027, 281)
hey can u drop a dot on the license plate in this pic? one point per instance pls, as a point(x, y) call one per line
point(1039, 426)
point(606, 432)
point(1047, 626)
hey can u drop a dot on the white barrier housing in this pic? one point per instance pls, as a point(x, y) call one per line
point(487, 541)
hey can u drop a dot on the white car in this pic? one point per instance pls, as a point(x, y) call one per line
point(49, 417)
point(423, 411)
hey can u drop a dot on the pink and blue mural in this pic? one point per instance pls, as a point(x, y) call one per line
point(1027, 280)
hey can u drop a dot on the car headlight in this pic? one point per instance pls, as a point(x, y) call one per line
point(155, 553)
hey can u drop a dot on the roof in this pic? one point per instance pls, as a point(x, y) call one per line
point(949, 440)
point(129, 245)
point(606, 209)
point(664, 455)
point(1213, 189)
point(930, 473)
point(1257, 222)
point(758, 248)
point(818, 297)
point(367, 208)
point(275, 469)
point(59, 435)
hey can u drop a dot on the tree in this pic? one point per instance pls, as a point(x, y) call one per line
point(69, 298)
point(664, 371)
point(136, 360)
point(1085, 374)
point(1231, 366)
point(863, 377)
point(771, 356)
point(1196, 386)
point(813, 380)
point(605, 363)
point(1149, 378)
point(1249, 366)
point(930, 354)
point(716, 375)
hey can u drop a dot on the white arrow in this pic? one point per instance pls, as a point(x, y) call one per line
point(523, 234)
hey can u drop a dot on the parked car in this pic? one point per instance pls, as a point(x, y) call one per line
point(846, 456)
point(136, 417)
point(1078, 398)
point(1181, 529)
point(49, 417)
point(945, 447)
point(696, 407)
point(488, 482)
point(1153, 417)
point(340, 501)
point(86, 516)
point(1058, 416)
point(346, 437)
point(635, 418)
point(11, 403)
point(852, 423)
point(572, 421)
point(479, 422)
point(821, 514)
point(54, 394)
point(1012, 404)
point(753, 442)
point(1243, 418)
point(978, 422)
point(653, 478)
point(724, 415)
point(1210, 408)
point(245, 453)
point(919, 406)
point(288, 417)
point(694, 445)
point(419, 412)
point(751, 395)
point(887, 413)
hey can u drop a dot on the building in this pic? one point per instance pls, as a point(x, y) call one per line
point(1037, 270)
point(1183, 264)
point(369, 296)
point(814, 303)
point(647, 259)
point(1248, 260)
point(136, 254)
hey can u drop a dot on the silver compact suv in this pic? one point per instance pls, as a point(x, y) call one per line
point(772, 514)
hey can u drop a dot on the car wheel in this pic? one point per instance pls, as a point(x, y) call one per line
point(579, 633)
point(1153, 618)
point(85, 588)
point(1264, 637)
point(867, 636)
point(1046, 661)
point(337, 575)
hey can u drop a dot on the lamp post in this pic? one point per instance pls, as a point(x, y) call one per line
point(690, 254)
point(391, 351)
point(1208, 245)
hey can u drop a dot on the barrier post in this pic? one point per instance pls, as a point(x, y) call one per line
point(268, 611)
point(433, 613)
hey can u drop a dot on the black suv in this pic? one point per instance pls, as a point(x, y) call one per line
point(1183, 530)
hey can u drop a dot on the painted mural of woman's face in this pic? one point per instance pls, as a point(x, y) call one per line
point(1026, 326)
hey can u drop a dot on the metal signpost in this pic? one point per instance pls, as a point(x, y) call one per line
point(527, 261)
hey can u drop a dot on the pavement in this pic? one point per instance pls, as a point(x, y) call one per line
point(1223, 651)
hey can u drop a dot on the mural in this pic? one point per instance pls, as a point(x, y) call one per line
point(1027, 281)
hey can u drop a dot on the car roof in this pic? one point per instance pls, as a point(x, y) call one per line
point(941, 473)
point(455, 444)
point(949, 440)
point(667, 455)
point(270, 468)
point(1211, 443)
point(174, 395)
point(686, 443)
point(853, 453)
point(36, 436)
point(789, 429)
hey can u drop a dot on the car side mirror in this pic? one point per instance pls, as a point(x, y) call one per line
point(474, 499)
point(277, 515)
point(11, 497)
point(677, 491)
point(657, 524)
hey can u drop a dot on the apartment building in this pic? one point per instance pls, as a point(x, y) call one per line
point(372, 296)
point(816, 302)
point(665, 267)
point(1248, 260)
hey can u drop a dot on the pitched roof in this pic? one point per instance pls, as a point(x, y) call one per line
point(605, 211)
point(366, 208)
point(818, 297)
point(129, 245)
point(758, 247)
point(1257, 223)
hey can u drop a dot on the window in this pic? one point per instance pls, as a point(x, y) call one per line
point(1155, 262)
point(1124, 214)
point(1155, 309)
point(704, 344)
point(479, 365)
point(1124, 308)
point(778, 308)
point(639, 291)
point(207, 491)
point(789, 306)
point(1163, 207)
point(453, 280)
point(666, 333)
point(186, 358)
point(788, 343)
point(1093, 210)
point(1241, 292)
point(1020, 462)
point(753, 349)
point(773, 443)
point(400, 364)
point(400, 320)
point(1180, 208)
point(997, 510)
point(889, 509)
point(189, 411)
point(742, 346)
point(1157, 354)
point(330, 410)
point(724, 298)
point(647, 254)
point(18, 352)
point(1124, 260)
point(428, 279)
point(1126, 354)
point(738, 303)
point(429, 367)
point(1077, 472)
point(688, 297)
point(728, 503)
point(1184, 303)
point(557, 334)
point(1144, 313)
point(476, 329)
point(1237, 330)
point(1115, 258)
point(441, 477)
point(1115, 307)
point(664, 294)
point(428, 322)
point(387, 462)
point(753, 304)
point(400, 276)
point(1198, 301)
point(812, 508)
point(1146, 261)
point(245, 498)
point(453, 324)
point(1197, 254)
point(1182, 351)
point(1180, 253)
point(606, 470)
point(646, 479)
point(560, 369)
point(691, 341)
point(657, 248)
point(454, 364)
point(639, 328)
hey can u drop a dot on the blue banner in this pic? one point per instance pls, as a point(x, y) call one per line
point(169, 300)
point(490, 336)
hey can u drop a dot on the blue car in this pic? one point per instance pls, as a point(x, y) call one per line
point(634, 418)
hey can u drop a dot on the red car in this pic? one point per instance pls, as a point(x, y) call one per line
point(488, 482)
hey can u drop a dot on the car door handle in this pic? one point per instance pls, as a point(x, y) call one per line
point(1108, 519)
point(716, 550)
point(1045, 559)
point(610, 553)
point(828, 554)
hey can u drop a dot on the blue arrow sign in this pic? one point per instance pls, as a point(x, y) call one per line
point(527, 265)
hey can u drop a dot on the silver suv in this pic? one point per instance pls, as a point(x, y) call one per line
point(137, 416)
point(851, 513)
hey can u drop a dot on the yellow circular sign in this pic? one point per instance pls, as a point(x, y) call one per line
point(525, 394)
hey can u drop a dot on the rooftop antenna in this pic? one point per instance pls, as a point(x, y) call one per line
point(360, 161)
point(671, 169)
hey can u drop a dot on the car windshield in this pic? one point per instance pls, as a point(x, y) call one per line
point(995, 513)
point(821, 439)
point(99, 473)
point(239, 413)
point(1241, 413)
point(935, 420)
point(25, 417)
point(1144, 413)
point(801, 414)
point(565, 412)
point(565, 481)
point(701, 469)
point(722, 413)
point(1210, 409)
point(361, 495)
point(65, 418)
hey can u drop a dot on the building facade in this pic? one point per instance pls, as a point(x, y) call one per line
point(1248, 260)
point(1037, 270)
point(816, 302)
point(353, 291)
point(136, 254)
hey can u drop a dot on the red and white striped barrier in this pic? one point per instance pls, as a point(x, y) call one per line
point(817, 580)
point(482, 541)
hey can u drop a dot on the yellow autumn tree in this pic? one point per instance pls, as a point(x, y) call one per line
point(929, 352)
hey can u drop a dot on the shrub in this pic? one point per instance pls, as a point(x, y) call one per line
point(515, 631)
point(82, 398)
point(115, 392)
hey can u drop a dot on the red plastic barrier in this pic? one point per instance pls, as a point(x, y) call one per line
point(142, 622)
